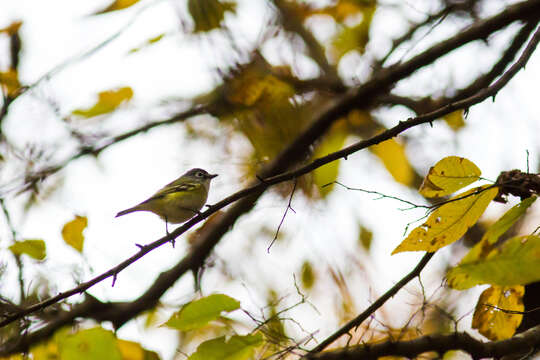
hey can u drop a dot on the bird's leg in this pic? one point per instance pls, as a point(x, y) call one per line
point(167, 231)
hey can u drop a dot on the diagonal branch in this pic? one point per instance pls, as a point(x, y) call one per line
point(376, 305)
point(524, 345)
point(119, 313)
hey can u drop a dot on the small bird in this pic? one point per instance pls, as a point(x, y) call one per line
point(179, 200)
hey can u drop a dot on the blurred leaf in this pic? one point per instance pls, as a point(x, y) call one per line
point(236, 348)
point(516, 262)
point(148, 42)
point(151, 317)
point(332, 142)
point(89, 344)
point(360, 118)
point(130, 350)
point(449, 222)
point(485, 245)
point(365, 237)
point(250, 88)
point(393, 156)
point(455, 120)
point(107, 102)
point(72, 232)
point(12, 28)
point(117, 5)
point(10, 81)
point(35, 248)
point(200, 312)
point(496, 324)
point(208, 14)
point(354, 37)
point(449, 175)
point(308, 275)
point(341, 10)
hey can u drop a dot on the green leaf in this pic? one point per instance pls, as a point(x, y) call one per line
point(89, 344)
point(365, 237)
point(236, 348)
point(35, 248)
point(107, 102)
point(448, 176)
point(308, 275)
point(72, 232)
point(200, 312)
point(485, 245)
point(450, 221)
point(516, 262)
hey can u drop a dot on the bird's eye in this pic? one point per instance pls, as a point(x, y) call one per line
point(199, 174)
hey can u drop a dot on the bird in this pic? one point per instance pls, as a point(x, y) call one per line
point(179, 200)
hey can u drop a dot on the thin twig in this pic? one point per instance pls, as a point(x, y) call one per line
point(376, 305)
point(289, 207)
point(382, 196)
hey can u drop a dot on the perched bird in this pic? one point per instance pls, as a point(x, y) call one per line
point(179, 200)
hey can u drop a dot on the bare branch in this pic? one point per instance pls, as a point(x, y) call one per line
point(376, 305)
point(524, 344)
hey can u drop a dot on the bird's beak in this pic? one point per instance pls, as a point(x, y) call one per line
point(211, 176)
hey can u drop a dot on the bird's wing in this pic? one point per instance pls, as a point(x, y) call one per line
point(171, 189)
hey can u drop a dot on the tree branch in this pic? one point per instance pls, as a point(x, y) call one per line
point(376, 305)
point(523, 344)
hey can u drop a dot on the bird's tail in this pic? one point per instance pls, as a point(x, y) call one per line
point(127, 211)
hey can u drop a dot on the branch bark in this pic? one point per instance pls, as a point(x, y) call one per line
point(523, 344)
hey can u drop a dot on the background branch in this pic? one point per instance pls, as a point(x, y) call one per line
point(523, 344)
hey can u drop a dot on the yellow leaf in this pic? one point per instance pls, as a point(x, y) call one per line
point(449, 175)
point(12, 29)
point(516, 262)
point(72, 232)
point(118, 5)
point(499, 323)
point(35, 248)
point(250, 88)
point(332, 142)
point(10, 81)
point(148, 42)
point(449, 222)
point(208, 14)
point(455, 120)
point(353, 37)
point(130, 350)
point(360, 118)
point(107, 102)
point(395, 160)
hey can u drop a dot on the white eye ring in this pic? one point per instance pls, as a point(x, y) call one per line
point(199, 174)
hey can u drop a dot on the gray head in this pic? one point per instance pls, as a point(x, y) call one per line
point(199, 174)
